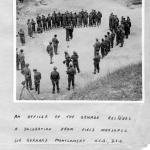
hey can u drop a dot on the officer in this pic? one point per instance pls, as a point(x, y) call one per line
point(96, 63)
point(27, 74)
point(50, 51)
point(22, 37)
point(71, 75)
point(22, 59)
point(37, 78)
point(55, 77)
point(74, 59)
point(17, 59)
point(97, 46)
point(67, 59)
point(55, 44)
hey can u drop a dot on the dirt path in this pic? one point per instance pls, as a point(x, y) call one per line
point(84, 38)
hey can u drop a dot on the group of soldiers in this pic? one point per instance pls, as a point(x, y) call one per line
point(119, 30)
point(57, 20)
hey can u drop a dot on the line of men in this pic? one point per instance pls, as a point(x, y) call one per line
point(118, 31)
point(57, 20)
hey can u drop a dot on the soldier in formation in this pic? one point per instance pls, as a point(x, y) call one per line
point(55, 77)
point(75, 61)
point(37, 78)
point(55, 44)
point(22, 36)
point(27, 74)
point(96, 60)
point(50, 52)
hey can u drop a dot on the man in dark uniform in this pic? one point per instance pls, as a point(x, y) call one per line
point(67, 60)
point(71, 31)
point(96, 63)
point(39, 21)
point(22, 59)
point(71, 75)
point(49, 21)
point(55, 77)
point(129, 23)
point(107, 44)
point(112, 37)
point(37, 78)
point(17, 59)
point(44, 23)
point(50, 51)
point(99, 18)
point(22, 37)
point(75, 61)
point(33, 25)
point(55, 44)
point(103, 48)
point(27, 74)
point(67, 33)
point(97, 46)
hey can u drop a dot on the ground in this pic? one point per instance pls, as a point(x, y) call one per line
point(84, 38)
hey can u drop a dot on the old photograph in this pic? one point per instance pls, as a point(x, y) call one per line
point(89, 50)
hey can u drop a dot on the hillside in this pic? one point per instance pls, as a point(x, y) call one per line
point(123, 84)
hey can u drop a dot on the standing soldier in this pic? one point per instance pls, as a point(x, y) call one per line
point(107, 44)
point(33, 25)
point(74, 58)
point(103, 48)
point(39, 21)
point(99, 18)
point(67, 60)
point(71, 76)
point(97, 46)
point(17, 59)
point(50, 51)
point(22, 59)
point(30, 31)
point(122, 35)
point(55, 77)
point(67, 32)
point(37, 78)
point(49, 21)
point(112, 37)
point(44, 21)
point(71, 31)
point(22, 36)
point(27, 74)
point(129, 23)
point(55, 44)
point(96, 62)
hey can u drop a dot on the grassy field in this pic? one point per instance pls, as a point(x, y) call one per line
point(124, 84)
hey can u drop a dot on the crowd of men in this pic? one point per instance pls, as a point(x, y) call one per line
point(119, 30)
point(56, 20)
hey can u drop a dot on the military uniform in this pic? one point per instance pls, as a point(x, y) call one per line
point(71, 75)
point(22, 60)
point(67, 60)
point(27, 74)
point(96, 63)
point(17, 60)
point(22, 36)
point(74, 58)
point(37, 78)
point(112, 37)
point(55, 45)
point(55, 80)
point(50, 52)
point(97, 46)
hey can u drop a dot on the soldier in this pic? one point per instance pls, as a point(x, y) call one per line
point(107, 44)
point(22, 59)
point(39, 29)
point(27, 74)
point(85, 19)
point(71, 75)
point(122, 35)
point(129, 24)
point(55, 44)
point(74, 20)
point(109, 39)
point(37, 78)
point(30, 31)
point(96, 63)
point(22, 36)
point(50, 51)
point(71, 31)
point(111, 21)
point(49, 21)
point(33, 25)
point(103, 48)
point(67, 33)
point(112, 37)
point(39, 21)
point(97, 46)
point(44, 21)
point(99, 18)
point(17, 59)
point(55, 77)
point(74, 59)
point(67, 60)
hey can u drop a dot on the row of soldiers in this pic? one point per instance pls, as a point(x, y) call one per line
point(56, 20)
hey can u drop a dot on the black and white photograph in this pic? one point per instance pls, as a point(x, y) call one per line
point(79, 50)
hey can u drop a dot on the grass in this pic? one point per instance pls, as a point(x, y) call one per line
point(123, 84)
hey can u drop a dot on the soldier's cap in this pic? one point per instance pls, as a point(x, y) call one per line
point(55, 68)
point(108, 32)
point(27, 65)
point(66, 52)
point(96, 39)
point(74, 52)
point(105, 35)
point(34, 70)
point(50, 43)
point(102, 39)
point(55, 35)
point(21, 50)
